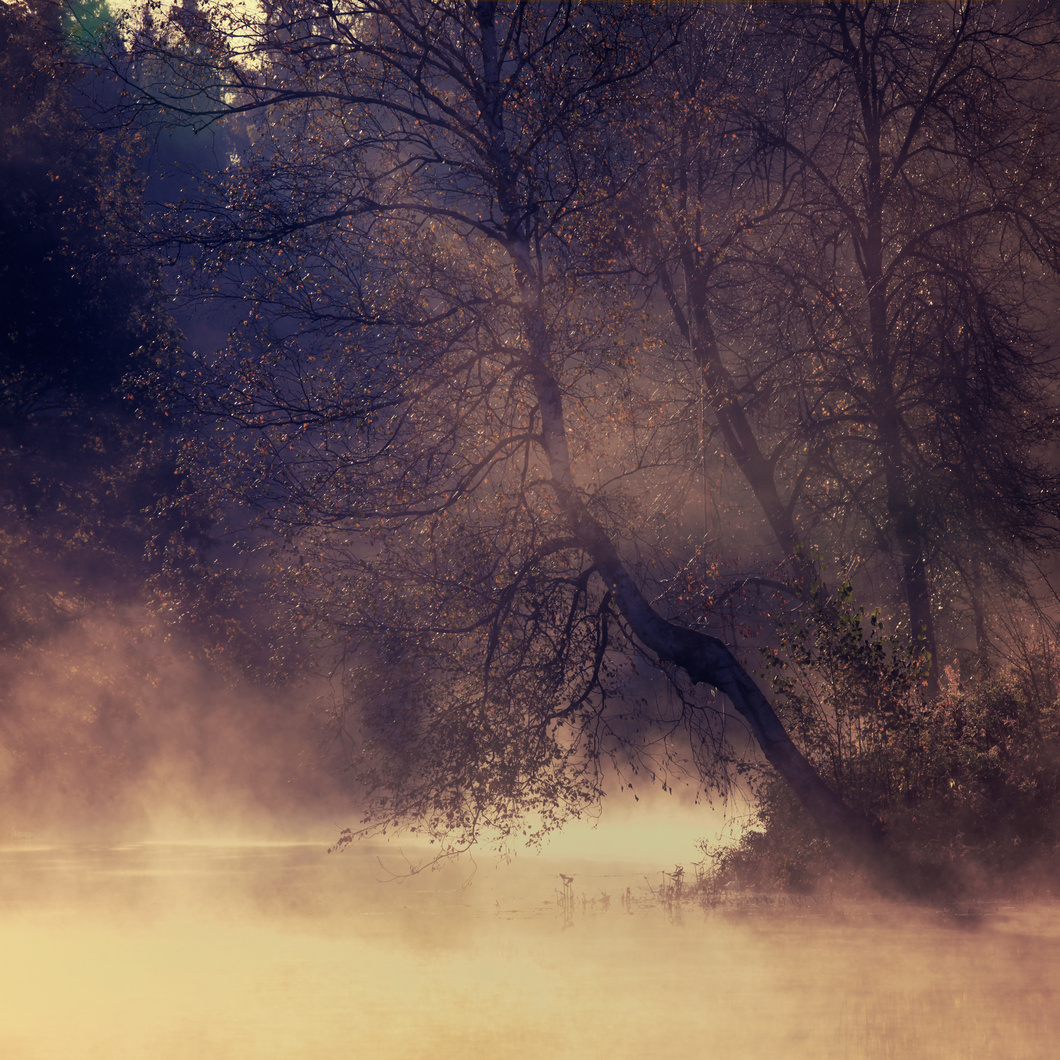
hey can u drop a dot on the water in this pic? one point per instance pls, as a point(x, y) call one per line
point(269, 952)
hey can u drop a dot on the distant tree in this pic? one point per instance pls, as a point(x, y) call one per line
point(917, 247)
point(109, 585)
point(84, 344)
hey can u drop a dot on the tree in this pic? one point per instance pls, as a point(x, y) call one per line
point(63, 187)
point(690, 200)
point(766, 218)
point(918, 241)
point(416, 399)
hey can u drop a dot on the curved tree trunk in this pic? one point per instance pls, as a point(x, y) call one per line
point(704, 658)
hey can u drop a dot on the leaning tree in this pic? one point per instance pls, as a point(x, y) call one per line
point(449, 425)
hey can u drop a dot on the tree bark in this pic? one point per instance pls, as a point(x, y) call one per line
point(742, 444)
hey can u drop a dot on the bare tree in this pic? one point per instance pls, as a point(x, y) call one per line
point(918, 242)
point(690, 199)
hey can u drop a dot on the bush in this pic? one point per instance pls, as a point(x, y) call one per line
point(971, 778)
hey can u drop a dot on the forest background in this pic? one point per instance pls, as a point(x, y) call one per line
point(454, 411)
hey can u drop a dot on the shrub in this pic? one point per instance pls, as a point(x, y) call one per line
point(971, 778)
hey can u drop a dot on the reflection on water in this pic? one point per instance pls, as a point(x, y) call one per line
point(256, 953)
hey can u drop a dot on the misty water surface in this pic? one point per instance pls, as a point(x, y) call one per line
point(268, 952)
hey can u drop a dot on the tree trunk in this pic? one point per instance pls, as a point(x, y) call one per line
point(707, 660)
point(740, 439)
point(905, 526)
point(902, 516)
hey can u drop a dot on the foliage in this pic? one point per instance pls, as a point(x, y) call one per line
point(95, 507)
point(971, 777)
point(851, 691)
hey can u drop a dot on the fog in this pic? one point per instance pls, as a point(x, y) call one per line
point(226, 952)
point(166, 892)
point(117, 729)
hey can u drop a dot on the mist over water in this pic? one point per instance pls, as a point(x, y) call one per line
point(233, 952)
point(115, 729)
point(119, 943)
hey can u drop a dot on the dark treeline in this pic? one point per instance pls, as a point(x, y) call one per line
point(669, 386)
point(131, 661)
